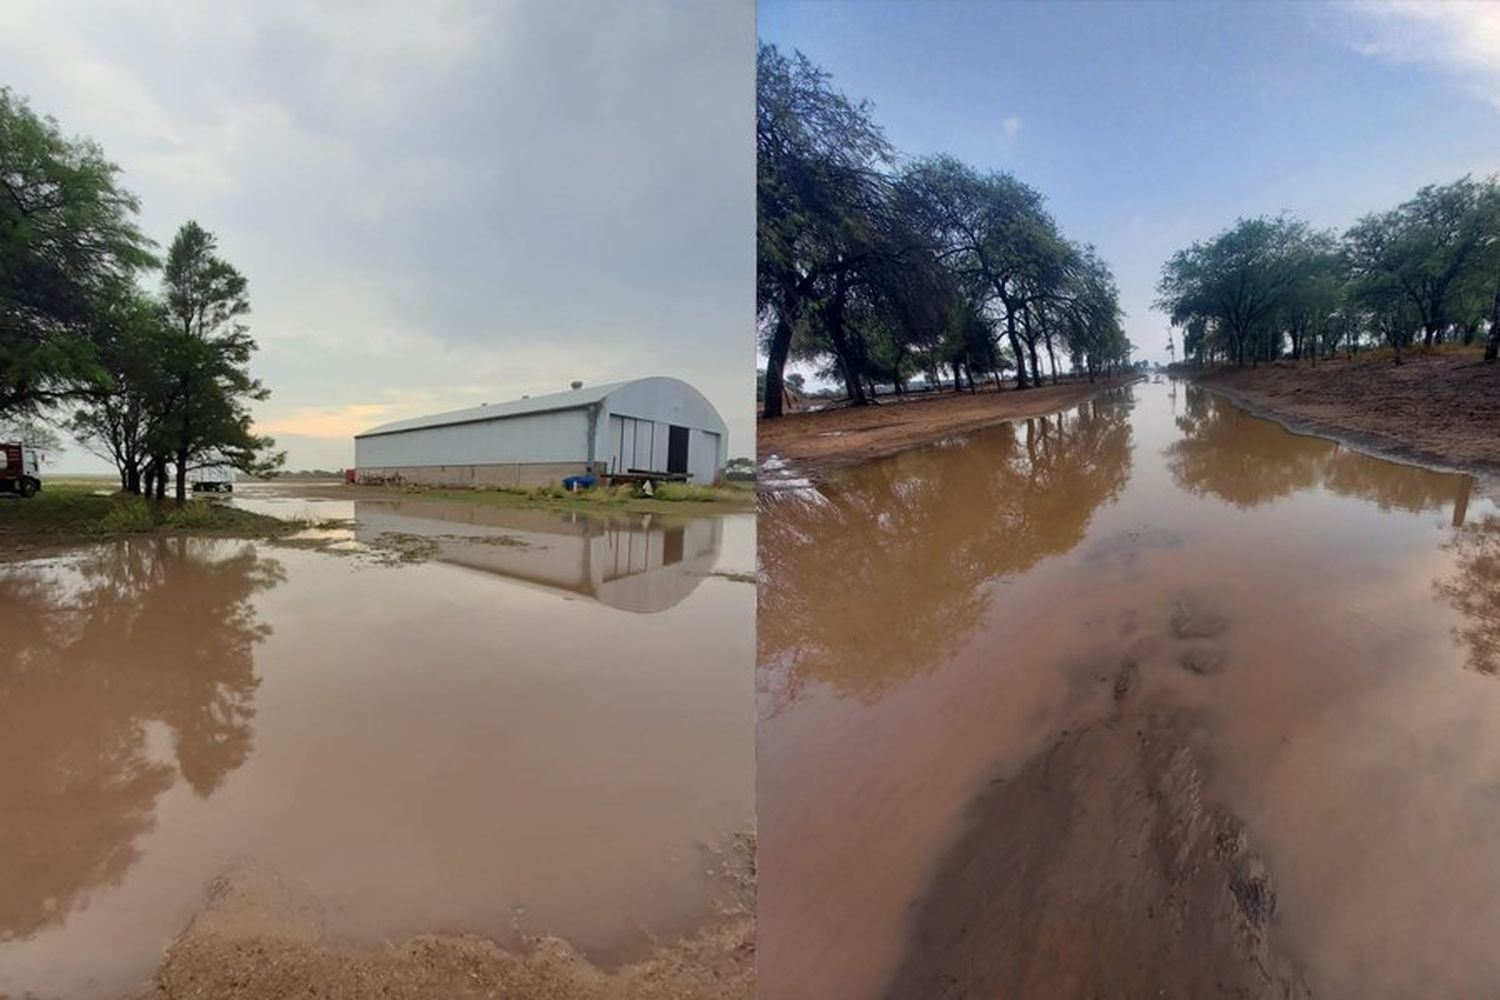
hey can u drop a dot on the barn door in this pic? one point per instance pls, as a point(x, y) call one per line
point(677, 449)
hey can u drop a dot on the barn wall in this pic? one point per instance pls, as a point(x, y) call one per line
point(706, 456)
point(557, 437)
point(664, 402)
point(500, 474)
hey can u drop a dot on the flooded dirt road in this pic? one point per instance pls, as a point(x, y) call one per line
point(486, 722)
point(1146, 698)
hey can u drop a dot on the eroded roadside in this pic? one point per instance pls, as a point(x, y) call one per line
point(826, 439)
point(1438, 410)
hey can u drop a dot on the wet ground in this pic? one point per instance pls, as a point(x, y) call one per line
point(1145, 698)
point(428, 718)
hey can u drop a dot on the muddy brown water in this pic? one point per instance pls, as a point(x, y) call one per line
point(1146, 698)
point(525, 722)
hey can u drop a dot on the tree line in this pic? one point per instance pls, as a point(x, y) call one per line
point(155, 380)
point(1425, 271)
point(880, 269)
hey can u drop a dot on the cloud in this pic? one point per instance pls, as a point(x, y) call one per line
point(435, 204)
point(1011, 126)
point(1460, 37)
point(327, 423)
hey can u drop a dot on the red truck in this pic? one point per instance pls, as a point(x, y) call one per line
point(19, 470)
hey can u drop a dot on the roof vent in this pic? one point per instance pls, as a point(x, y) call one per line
point(576, 384)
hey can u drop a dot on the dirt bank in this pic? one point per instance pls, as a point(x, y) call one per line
point(1438, 409)
point(1104, 868)
point(828, 438)
point(261, 938)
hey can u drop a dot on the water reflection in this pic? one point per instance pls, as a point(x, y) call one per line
point(122, 670)
point(880, 574)
point(1226, 453)
point(641, 563)
point(1474, 591)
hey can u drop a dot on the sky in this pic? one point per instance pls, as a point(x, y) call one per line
point(1149, 126)
point(435, 204)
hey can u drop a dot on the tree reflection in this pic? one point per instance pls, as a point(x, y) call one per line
point(881, 574)
point(1226, 453)
point(1474, 591)
point(139, 656)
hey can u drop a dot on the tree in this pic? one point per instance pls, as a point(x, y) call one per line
point(1236, 282)
point(124, 419)
point(1091, 315)
point(1422, 250)
point(817, 159)
point(993, 231)
point(206, 359)
point(68, 244)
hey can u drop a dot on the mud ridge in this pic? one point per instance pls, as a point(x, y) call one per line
point(1102, 869)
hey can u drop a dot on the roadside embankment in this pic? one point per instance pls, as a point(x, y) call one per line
point(66, 514)
point(829, 438)
point(1437, 408)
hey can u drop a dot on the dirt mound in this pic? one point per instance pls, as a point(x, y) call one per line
point(261, 938)
point(1102, 869)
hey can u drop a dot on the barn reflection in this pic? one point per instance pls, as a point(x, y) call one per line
point(641, 563)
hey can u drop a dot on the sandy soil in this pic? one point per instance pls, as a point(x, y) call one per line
point(1104, 867)
point(1440, 409)
point(260, 938)
point(828, 438)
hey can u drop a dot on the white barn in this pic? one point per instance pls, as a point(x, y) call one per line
point(652, 424)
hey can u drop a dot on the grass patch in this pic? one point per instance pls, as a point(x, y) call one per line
point(669, 498)
point(74, 513)
point(399, 547)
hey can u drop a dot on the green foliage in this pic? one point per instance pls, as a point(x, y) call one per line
point(68, 244)
point(1429, 268)
point(157, 382)
point(75, 513)
point(1233, 287)
point(877, 275)
point(207, 358)
point(127, 515)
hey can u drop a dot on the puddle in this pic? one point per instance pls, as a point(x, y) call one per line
point(550, 737)
point(1149, 695)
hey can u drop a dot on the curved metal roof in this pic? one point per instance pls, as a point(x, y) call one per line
point(570, 400)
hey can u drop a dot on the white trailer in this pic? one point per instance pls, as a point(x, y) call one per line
point(214, 476)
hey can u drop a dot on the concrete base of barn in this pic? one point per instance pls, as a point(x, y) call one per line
point(522, 474)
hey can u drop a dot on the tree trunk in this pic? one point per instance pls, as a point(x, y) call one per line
point(781, 346)
point(1015, 346)
point(181, 470)
point(843, 352)
point(1492, 348)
